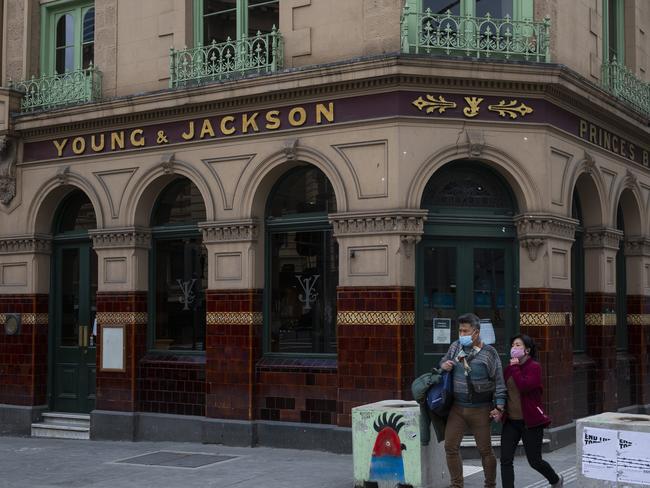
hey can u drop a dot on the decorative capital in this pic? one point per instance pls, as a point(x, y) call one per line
point(543, 226)
point(602, 237)
point(125, 237)
point(63, 174)
point(405, 222)
point(475, 141)
point(532, 245)
point(290, 148)
point(637, 246)
point(34, 243)
point(229, 231)
point(590, 163)
point(167, 163)
point(630, 180)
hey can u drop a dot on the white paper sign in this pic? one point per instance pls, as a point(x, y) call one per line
point(113, 348)
point(634, 457)
point(599, 453)
point(487, 331)
point(442, 331)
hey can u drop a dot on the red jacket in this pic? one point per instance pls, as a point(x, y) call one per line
point(528, 378)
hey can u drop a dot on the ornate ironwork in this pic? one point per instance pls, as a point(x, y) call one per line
point(262, 53)
point(621, 82)
point(71, 88)
point(479, 37)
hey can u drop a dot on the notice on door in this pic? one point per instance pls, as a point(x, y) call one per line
point(613, 455)
point(442, 331)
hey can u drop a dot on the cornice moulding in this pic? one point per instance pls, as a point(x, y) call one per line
point(229, 231)
point(126, 237)
point(404, 222)
point(31, 243)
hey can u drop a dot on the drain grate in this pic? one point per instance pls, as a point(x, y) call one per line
point(173, 459)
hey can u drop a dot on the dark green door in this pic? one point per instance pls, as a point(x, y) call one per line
point(74, 292)
point(457, 276)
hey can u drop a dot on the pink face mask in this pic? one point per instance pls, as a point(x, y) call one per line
point(517, 353)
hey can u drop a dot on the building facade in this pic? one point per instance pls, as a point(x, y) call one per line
point(241, 240)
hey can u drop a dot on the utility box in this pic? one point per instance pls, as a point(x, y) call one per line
point(613, 450)
point(386, 448)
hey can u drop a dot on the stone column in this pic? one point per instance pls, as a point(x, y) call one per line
point(546, 303)
point(123, 262)
point(637, 258)
point(601, 245)
point(24, 287)
point(375, 305)
point(233, 338)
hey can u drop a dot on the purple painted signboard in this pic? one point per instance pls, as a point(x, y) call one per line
point(433, 105)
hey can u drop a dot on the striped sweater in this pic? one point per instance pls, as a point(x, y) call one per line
point(486, 377)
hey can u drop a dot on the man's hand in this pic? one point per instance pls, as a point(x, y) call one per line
point(496, 415)
point(447, 365)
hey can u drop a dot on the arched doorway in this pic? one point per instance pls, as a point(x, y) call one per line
point(74, 290)
point(466, 261)
point(301, 265)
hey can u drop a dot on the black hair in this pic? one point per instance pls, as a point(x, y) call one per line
point(471, 319)
point(529, 343)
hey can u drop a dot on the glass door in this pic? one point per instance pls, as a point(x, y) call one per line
point(74, 292)
point(460, 276)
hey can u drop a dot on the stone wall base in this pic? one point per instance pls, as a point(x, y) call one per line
point(18, 419)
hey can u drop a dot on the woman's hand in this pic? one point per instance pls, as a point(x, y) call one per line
point(514, 361)
point(496, 415)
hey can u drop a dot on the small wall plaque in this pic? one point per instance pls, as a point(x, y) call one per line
point(113, 348)
point(12, 324)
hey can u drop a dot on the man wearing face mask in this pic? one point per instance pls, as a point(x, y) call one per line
point(479, 395)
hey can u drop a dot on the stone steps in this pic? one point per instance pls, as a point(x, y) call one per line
point(63, 426)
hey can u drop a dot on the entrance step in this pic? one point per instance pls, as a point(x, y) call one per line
point(63, 426)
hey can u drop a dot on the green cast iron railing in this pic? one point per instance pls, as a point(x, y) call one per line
point(71, 88)
point(477, 37)
point(621, 82)
point(262, 53)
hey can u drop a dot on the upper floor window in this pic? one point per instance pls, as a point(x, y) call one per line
point(68, 40)
point(498, 9)
point(613, 30)
point(218, 20)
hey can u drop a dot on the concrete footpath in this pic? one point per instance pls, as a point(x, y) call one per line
point(42, 462)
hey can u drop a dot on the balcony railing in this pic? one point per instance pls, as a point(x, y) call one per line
point(262, 53)
point(71, 88)
point(621, 82)
point(477, 37)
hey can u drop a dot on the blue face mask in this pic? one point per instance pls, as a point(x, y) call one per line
point(465, 341)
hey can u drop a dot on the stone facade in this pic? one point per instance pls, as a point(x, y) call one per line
point(380, 126)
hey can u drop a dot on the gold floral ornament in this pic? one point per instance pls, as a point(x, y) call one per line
point(473, 106)
point(510, 109)
point(432, 104)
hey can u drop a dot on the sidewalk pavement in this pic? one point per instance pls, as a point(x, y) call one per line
point(48, 463)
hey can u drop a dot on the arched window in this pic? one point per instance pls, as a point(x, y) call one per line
point(302, 265)
point(178, 276)
point(75, 215)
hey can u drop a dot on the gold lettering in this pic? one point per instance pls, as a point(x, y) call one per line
point(583, 128)
point(228, 119)
point(78, 145)
point(646, 158)
point(137, 138)
point(600, 137)
point(615, 146)
point(60, 146)
point(327, 112)
point(247, 122)
point(608, 141)
point(206, 129)
point(93, 144)
point(117, 140)
point(189, 135)
point(273, 119)
point(623, 150)
point(302, 117)
point(593, 134)
point(632, 148)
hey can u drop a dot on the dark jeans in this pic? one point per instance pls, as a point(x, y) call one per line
point(512, 431)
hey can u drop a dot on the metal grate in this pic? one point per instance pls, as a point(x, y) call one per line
point(173, 459)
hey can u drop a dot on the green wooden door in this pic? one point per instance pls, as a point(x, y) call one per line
point(74, 292)
point(457, 276)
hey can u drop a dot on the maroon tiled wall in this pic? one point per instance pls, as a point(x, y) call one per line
point(375, 361)
point(601, 347)
point(118, 390)
point(23, 357)
point(555, 344)
point(233, 345)
point(639, 348)
point(172, 384)
point(296, 390)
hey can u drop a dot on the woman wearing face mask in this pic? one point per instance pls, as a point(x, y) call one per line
point(524, 418)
